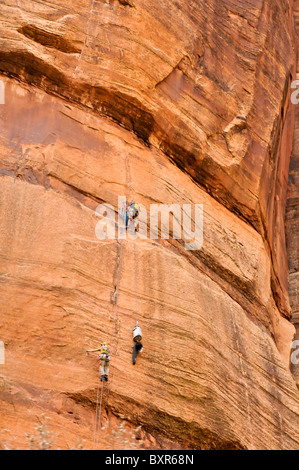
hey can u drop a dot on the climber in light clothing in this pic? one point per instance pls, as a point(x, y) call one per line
point(104, 359)
point(137, 337)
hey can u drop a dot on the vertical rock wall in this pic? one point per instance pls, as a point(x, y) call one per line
point(167, 102)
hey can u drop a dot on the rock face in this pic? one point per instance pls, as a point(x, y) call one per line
point(185, 103)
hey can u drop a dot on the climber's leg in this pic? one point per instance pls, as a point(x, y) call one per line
point(107, 364)
point(102, 369)
point(134, 354)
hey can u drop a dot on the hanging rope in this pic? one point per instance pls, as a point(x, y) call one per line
point(98, 415)
point(135, 269)
point(116, 293)
point(86, 38)
point(99, 402)
point(113, 335)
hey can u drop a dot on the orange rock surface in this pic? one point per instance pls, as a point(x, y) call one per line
point(169, 102)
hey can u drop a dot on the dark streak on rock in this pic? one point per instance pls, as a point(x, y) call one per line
point(126, 110)
point(128, 3)
point(48, 39)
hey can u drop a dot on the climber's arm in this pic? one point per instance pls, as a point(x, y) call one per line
point(93, 350)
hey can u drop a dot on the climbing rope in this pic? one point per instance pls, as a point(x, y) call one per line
point(116, 293)
point(100, 401)
point(98, 415)
point(113, 335)
point(135, 269)
point(86, 38)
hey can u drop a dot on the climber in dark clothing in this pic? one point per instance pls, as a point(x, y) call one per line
point(137, 347)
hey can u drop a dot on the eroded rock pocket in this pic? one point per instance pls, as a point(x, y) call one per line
point(48, 39)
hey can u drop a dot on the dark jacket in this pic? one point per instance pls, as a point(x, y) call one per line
point(137, 347)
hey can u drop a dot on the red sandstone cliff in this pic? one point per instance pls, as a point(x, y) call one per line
point(167, 102)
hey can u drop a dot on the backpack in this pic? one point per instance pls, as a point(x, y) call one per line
point(104, 350)
point(135, 210)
